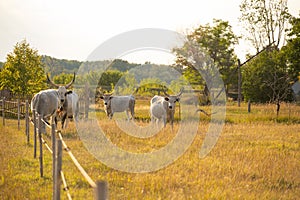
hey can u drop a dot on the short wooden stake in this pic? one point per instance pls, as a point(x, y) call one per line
point(101, 191)
point(27, 120)
point(58, 165)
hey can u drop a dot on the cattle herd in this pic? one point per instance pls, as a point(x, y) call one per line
point(61, 104)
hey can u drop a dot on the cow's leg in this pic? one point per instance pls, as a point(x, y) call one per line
point(152, 119)
point(158, 122)
point(171, 119)
point(43, 128)
point(67, 121)
point(127, 114)
point(111, 115)
point(63, 120)
point(76, 112)
point(55, 121)
point(132, 113)
point(165, 121)
point(43, 125)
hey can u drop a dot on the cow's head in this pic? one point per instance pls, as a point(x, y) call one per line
point(107, 104)
point(61, 90)
point(172, 99)
point(106, 99)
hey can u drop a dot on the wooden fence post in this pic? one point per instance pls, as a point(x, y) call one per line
point(41, 145)
point(18, 102)
point(101, 191)
point(27, 120)
point(57, 176)
point(239, 83)
point(3, 111)
point(86, 102)
point(34, 132)
point(53, 140)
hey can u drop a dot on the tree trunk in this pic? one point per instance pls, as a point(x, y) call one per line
point(278, 108)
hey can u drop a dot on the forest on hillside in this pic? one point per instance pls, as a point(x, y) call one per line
point(56, 66)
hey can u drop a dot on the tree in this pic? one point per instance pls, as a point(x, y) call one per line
point(216, 42)
point(292, 49)
point(268, 78)
point(109, 79)
point(265, 79)
point(22, 72)
point(265, 21)
point(63, 78)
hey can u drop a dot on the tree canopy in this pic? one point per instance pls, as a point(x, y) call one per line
point(216, 42)
point(264, 21)
point(22, 72)
point(292, 48)
point(268, 77)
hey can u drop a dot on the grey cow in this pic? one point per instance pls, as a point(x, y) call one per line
point(114, 104)
point(69, 109)
point(47, 102)
point(163, 108)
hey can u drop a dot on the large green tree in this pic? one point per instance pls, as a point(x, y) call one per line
point(266, 78)
point(22, 72)
point(215, 42)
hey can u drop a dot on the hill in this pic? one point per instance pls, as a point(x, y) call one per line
point(56, 66)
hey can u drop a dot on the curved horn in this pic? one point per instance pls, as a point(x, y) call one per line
point(69, 84)
point(166, 93)
point(180, 92)
point(51, 83)
point(200, 110)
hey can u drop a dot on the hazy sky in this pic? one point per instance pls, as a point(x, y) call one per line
point(72, 29)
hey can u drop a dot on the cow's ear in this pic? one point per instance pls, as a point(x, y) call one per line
point(167, 98)
point(69, 92)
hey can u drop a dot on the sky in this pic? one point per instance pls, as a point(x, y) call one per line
point(72, 29)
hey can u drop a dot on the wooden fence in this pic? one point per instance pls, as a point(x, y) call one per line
point(21, 110)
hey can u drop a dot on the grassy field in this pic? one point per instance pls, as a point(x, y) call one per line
point(257, 156)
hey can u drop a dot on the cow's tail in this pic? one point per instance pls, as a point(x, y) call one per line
point(33, 103)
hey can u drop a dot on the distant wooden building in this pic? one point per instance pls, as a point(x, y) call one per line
point(6, 93)
point(296, 90)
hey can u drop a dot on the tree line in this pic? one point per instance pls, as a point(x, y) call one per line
point(207, 49)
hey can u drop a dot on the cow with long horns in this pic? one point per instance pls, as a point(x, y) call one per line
point(48, 102)
point(114, 104)
point(164, 107)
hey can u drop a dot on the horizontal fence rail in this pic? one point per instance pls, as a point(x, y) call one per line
point(77, 164)
point(56, 151)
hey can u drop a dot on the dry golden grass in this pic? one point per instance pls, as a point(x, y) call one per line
point(257, 156)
